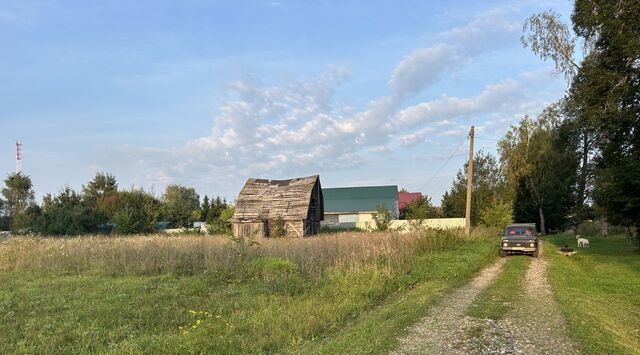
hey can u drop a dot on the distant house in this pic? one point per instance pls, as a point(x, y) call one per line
point(355, 206)
point(404, 198)
point(298, 202)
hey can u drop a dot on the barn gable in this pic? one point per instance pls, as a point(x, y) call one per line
point(297, 201)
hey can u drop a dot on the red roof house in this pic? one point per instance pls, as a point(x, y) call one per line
point(405, 197)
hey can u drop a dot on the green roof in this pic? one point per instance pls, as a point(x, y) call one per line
point(360, 199)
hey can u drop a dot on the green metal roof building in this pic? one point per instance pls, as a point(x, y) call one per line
point(365, 199)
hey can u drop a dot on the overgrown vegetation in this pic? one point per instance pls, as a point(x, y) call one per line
point(382, 217)
point(199, 294)
point(599, 292)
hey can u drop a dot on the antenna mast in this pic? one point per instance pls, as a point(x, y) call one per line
point(18, 157)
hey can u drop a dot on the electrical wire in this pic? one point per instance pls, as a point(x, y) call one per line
point(487, 139)
point(443, 165)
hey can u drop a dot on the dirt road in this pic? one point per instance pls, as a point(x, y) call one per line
point(534, 326)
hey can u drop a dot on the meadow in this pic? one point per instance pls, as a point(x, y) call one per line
point(349, 292)
point(598, 290)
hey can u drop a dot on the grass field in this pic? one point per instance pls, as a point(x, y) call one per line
point(349, 292)
point(599, 292)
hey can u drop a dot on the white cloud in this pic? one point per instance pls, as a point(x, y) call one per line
point(422, 67)
point(486, 32)
point(450, 108)
point(297, 128)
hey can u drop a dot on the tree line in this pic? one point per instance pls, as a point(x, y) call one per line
point(580, 158)
point(100, 206)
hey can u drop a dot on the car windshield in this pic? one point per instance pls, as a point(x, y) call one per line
point(520, 230)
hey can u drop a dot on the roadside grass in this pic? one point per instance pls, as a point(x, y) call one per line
point(378, 330)
point(347, 293)
point(499, 298)
point(598, 290)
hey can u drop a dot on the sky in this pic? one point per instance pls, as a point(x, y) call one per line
point(209, 93)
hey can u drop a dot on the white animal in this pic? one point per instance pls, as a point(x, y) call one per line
point(582, 242)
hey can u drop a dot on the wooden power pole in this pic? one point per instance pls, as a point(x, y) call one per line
point(467, 222)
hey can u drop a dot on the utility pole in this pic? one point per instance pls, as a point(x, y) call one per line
point(467, 222)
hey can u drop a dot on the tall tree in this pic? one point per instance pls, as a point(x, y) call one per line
point(607, 89)
point(488, 188)
point(179, 204)
point(65, 214)
point(603, 98)
point(19, 196)
point(551, 39)
point(420, 208)
point(101, 196)
point(540, 164)
point(206, 207)
point(138, 213)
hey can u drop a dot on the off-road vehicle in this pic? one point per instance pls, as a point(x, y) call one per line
point(520, 238)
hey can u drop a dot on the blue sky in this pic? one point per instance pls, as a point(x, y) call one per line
point(209, 93)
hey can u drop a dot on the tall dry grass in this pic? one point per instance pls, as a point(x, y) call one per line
point(159, 254)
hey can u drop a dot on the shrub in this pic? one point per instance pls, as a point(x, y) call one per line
point(277, 228)
point(382, 217)
point(496, 215)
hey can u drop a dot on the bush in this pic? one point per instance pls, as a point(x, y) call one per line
point(221, 225)
point(382, 217)
point(497, 215)
point(277, 228)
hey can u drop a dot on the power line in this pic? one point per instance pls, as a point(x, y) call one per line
point(443, 165)
point(488, 139)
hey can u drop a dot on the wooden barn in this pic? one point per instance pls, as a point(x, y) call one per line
point(261, 204)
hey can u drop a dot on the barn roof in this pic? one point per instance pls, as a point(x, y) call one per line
point(262, 199)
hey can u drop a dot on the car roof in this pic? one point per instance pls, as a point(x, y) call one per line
point(521, 225)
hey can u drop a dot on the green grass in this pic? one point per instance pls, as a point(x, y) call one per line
point(598, 290)
point(271, 306)
point(498, 299)
point(377, 331)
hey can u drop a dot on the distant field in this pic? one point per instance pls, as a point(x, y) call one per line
point(156, 294)
point(599, 292)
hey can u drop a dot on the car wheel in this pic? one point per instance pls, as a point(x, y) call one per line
point(503, 253)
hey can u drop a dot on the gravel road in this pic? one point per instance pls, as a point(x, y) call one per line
point(534, 326)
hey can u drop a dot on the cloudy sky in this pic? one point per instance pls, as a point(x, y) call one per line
point(209, 93)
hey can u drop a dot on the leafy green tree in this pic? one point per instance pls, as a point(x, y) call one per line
point(497, 215)
point(551, 39)
point(420, 208)
point(602, 99)
point(540, 161)
point(607, 89)
point(65, 214)
point(19, 196)
point(222, 225)
point(179, 204)
point(138, 214)
point(488, 187)
point(382, 217)
point(101, 196)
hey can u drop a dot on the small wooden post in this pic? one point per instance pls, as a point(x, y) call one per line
point(467, 224)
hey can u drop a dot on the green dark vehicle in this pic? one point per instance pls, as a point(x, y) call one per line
point(520, 238)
